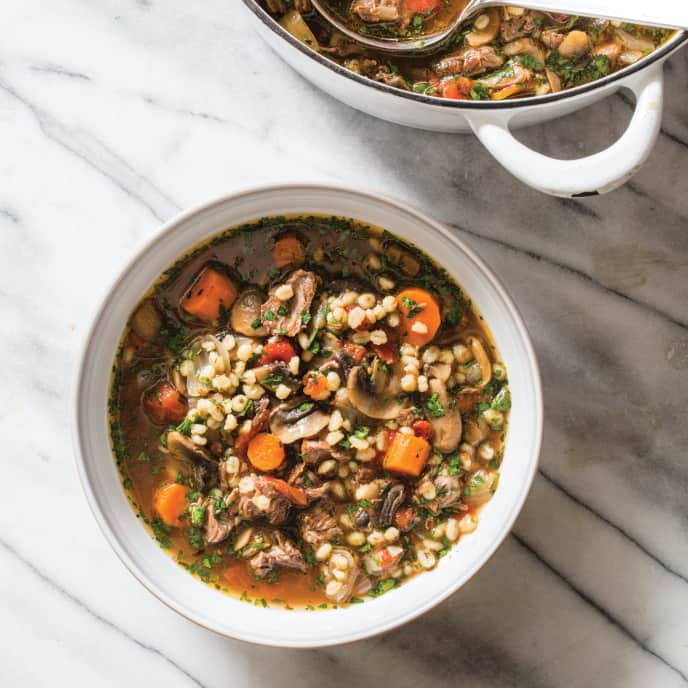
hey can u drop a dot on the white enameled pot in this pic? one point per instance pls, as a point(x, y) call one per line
point(278, 627)
point(493, 122)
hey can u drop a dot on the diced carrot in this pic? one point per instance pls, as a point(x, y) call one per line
point(404, 518)
point(507, 92)
point(407, 454)
point(356, 351)
point(420, 316)
point(210, 293)
point(423, 6)
point(170, 503)
point(163, 404)
point(422, 428)
point(265, 452)
point(315, 385)
point(280, 350)
point(288, 251)
point(456, 88)
point(292, 493)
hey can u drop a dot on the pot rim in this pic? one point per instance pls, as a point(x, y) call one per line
point(658, 55)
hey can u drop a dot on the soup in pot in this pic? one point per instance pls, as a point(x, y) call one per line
point(504, 52)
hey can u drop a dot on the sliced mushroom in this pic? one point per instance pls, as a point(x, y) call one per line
point(246, 313)
point(441, 371)
point(275, 373)
point(146, 321)
point(296, 420)
point(484, 31)
point(196, 364)
point(446, 429)
point(482, 359)
point(554, 81)
point(479, 487)
point(182, 448)
point(476, 431)
point(375, 395)
point(393, 499)
point(525, 46)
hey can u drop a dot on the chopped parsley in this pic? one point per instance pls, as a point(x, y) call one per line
point(383, 586)
point(434, 406)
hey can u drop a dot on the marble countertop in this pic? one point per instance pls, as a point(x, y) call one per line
point(116, 114)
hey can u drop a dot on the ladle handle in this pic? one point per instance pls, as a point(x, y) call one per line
point(589, 176)
point(665, 13)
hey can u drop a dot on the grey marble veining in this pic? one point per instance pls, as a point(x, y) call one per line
point(115, 115)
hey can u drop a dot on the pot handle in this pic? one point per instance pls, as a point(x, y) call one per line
point(590, 176)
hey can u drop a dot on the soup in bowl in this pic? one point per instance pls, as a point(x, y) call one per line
point(308, 413)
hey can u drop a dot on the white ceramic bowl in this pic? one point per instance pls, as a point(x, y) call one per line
point(201, 603)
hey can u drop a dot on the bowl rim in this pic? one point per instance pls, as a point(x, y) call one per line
point(79, 431)
point(661, 53)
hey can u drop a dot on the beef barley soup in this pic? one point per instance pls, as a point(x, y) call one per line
point(503, 53)
point(307, 411)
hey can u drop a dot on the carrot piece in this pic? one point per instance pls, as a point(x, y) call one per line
point(423, 6)
point(507, 92)
point(281, 350)
point(265, 451)
point(288, 251)
point(407, 454)
point(419, 310)
point(208, 294)
point(315, 385)
point(164, 404)
point(458, 88)
point(170, 503)
point(292, 493)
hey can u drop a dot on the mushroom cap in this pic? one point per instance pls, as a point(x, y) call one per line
point(296, 420)
point(182, 448)
point(447, 429)
point(375, 395)
point(246, 310)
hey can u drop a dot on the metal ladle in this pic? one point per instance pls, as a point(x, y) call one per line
point(663, 13)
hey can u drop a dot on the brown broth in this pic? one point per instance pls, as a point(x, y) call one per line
point(337, 249)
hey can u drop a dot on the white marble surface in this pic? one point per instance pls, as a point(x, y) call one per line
point(116, 114)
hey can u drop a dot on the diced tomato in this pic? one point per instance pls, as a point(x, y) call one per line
point(389, 557)
point(281, 350)
point(423, 6)
point(422, 428)
point(356, 351)
point(458, 88)
point(164, 404)
point(387, 351)
point(389, 436)
point(403, 518)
